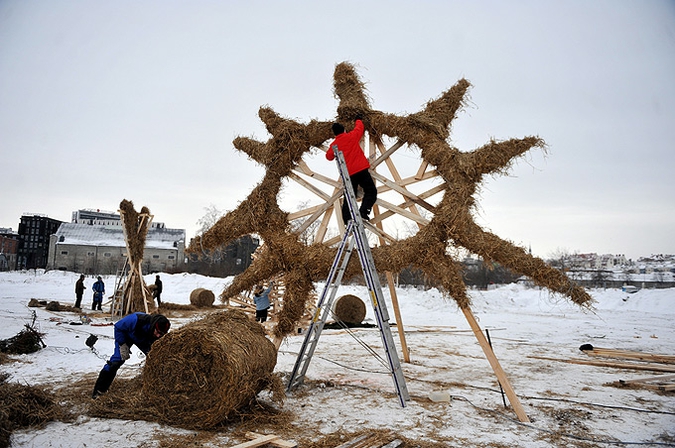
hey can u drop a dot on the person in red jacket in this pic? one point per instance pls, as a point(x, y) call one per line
point(357, 166)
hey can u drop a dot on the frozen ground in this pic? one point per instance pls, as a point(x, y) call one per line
point(348, 390)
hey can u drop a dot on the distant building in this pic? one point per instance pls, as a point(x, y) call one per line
point(9, 245)
point(34, 232)
point(228, 260)
point(101, 249)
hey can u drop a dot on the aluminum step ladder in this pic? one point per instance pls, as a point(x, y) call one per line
point(354, 238)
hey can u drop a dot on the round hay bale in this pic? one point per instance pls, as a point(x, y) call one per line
point(350, 309)
point(201, 374)
point(202, 297)
point(54, 306)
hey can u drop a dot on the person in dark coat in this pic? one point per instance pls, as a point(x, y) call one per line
point(139, 329)
point(79, 291)
point(357, 167)
point(99, 290)
point(261, 297)
point(158, 290)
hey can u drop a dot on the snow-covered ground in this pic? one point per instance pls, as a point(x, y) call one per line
point(348, 390)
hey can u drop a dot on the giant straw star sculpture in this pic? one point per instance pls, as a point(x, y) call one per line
point(452, 223)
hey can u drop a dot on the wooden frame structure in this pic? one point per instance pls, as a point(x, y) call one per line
point(411, 206)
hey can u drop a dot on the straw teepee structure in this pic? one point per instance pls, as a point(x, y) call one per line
point(136, 295)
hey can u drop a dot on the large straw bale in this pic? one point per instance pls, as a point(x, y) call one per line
point(203, 373)
point(202, 297)
point(349, 309)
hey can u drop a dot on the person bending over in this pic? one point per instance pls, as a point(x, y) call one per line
point(138, 329)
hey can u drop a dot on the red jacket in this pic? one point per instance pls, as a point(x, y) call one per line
point(348, 143)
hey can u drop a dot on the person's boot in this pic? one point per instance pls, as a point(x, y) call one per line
point(105, 379)
point(102, 383)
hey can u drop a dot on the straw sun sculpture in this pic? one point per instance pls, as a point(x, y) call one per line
point(452, 223)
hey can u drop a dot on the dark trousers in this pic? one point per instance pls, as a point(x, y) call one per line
point(260, 315)
point(365, 181)
point(78, 300)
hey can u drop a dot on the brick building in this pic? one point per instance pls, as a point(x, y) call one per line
point(9, 245)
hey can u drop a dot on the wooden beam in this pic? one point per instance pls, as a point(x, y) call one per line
point(278, 443)
point(412, 180)
point(259, 441)
point(404, 212)
point(320, 193)
point(311, 210)
point(616, 365)
point(323, 227)
point(380, 233)
point(307, 171)
point(397, 314)
point(397, 178)
point(394, 297)
point(308, 222)
point(405, 193)
point(649, 379)
point(496, 367)
point(386, 154)
point(612, 353)
point(422, 169)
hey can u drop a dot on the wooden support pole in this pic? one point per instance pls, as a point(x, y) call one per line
point(397, 313)
point(496, 367)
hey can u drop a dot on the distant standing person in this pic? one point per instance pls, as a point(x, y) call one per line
point(357, 166)
point(158, 291)
point(99, 290)
point(261, 297)
point(139, 329)
point(79, 291)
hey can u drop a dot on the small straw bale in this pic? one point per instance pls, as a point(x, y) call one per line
point(202, 297)
point(203, 373)
point(349, 309)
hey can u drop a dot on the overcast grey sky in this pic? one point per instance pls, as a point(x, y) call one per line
point(104, 101)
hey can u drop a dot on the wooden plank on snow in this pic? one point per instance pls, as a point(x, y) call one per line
point(617, 365)
point(277, 442)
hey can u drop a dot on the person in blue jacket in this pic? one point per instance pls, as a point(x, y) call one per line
point(139, 329)
point(99, 290)
point(261, 297)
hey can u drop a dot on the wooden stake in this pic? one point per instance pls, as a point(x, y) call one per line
point(494, 363)
point(397, 313)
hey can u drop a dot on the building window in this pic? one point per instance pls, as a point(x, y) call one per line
point(171, 257)
point(64, 252)
point(155, 256)
point(107, 254)
point(90, 254)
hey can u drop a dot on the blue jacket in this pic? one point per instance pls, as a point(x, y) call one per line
point(98, 288)
point(136, 329)
point(262, 301)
